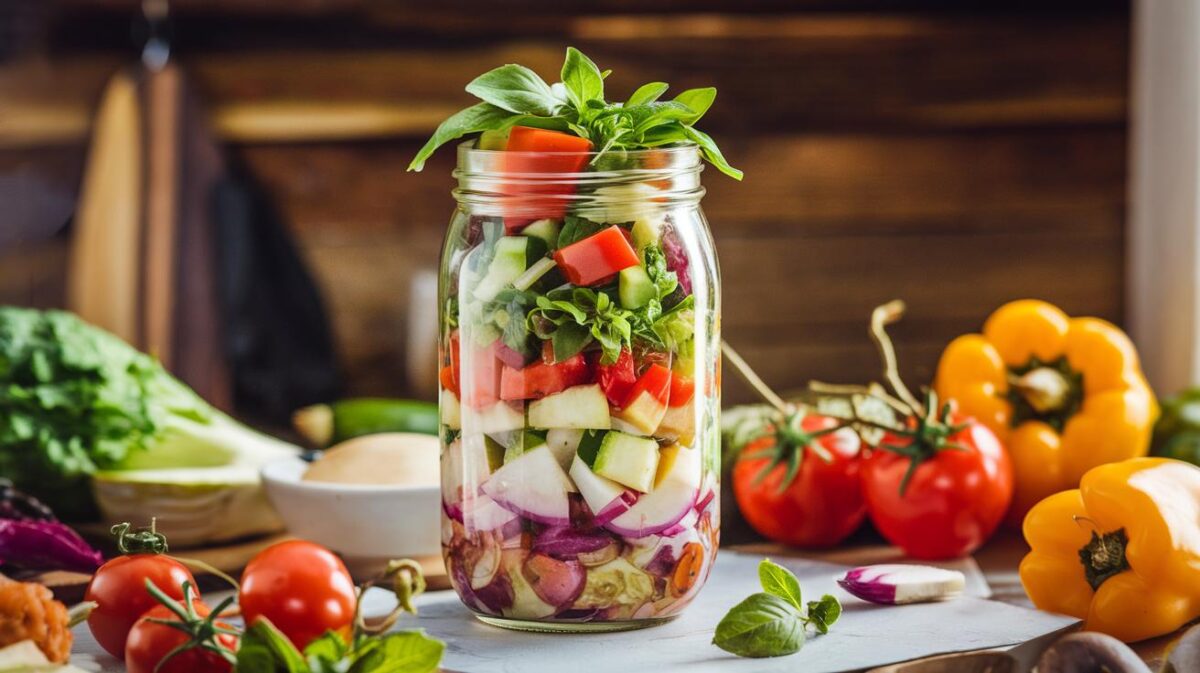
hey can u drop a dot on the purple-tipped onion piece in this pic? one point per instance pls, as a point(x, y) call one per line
point(895, 584)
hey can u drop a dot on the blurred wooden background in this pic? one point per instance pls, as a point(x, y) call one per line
point(954, 154)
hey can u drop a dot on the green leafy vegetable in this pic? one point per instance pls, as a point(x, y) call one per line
point(75, 399)
point(823, 613)
point(508, 312)
point(516, 89)
point(772, 623)
point(571, 309)
point(763, 625)
point(779, 581)
point(582, 79)
point(576, 229)
point(514, 95)
point(647, 93)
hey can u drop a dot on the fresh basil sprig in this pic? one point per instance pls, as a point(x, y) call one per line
point(264, 649)
point(773, 622)
point(514, 95)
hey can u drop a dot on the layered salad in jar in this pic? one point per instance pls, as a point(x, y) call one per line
point(578, 383)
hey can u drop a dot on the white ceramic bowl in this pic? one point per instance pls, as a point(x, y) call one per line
point(366, 524)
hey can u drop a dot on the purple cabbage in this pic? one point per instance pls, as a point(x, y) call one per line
point(45, 545)
point(677, 260)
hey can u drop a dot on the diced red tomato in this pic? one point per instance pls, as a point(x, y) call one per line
point(682, 390)
point(596, 257)
point(562, 153)
point(616, 379)
point(541, 378)
point(449, 375)
point(483, 378)
point(446, 378)
point(656, 381)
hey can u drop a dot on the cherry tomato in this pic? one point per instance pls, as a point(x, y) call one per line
point(954, 500)
point(303, 588)
point(149, 642)
point(821, 506)
point(119, 591)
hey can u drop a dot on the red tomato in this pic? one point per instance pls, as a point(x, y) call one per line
point(531, 150)
point(480, 377)
point(954, 500)
point(150, 642)
point(119, 591)
point(616, 379)
point(538, 379)
point(303, 588)
point(824, 502)
point(682, 389)
point(450, 373)
point(656, 382)
point(596, 257)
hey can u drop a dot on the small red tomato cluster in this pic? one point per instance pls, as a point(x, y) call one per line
point(301, 587)
point(935, 483)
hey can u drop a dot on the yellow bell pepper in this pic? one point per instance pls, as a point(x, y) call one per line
point(1122, 551)
point(1063, 394)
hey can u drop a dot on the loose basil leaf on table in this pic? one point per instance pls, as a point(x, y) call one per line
point(763, 625)
point(772, 623)
point(780, 581)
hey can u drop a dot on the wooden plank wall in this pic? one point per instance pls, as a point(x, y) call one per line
point(954, 156)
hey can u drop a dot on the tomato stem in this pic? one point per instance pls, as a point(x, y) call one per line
point(752, 379)
point(144, 541)
point(881, 317)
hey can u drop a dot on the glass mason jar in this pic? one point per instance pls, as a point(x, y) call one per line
point(580, 388)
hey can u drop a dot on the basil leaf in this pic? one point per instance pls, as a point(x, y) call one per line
point(402, 652)
point(711, 152)
point(569, 340)
point(647, 93)
point(779, 581)
point(698, 100)
point(264, 649)
point(665, 134)
point(823, 613)
point(330, 648)
point(578, 228)
point(763, 625)
point(481, 117)
point(582, 78)
point(517, 89)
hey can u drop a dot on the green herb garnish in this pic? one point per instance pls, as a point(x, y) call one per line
point(773, 622)
point(514, 95)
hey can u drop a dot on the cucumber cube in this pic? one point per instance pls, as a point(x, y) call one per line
point(628, 460)
point(635, 289)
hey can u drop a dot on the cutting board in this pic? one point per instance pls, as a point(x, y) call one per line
point(69, 587)
point(865, 637)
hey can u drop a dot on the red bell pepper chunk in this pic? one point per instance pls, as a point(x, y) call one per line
point(596, 257)
point(656, 381)
point(541, 378)
point(682, 390)
point(616, 379)
point(558, 153)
